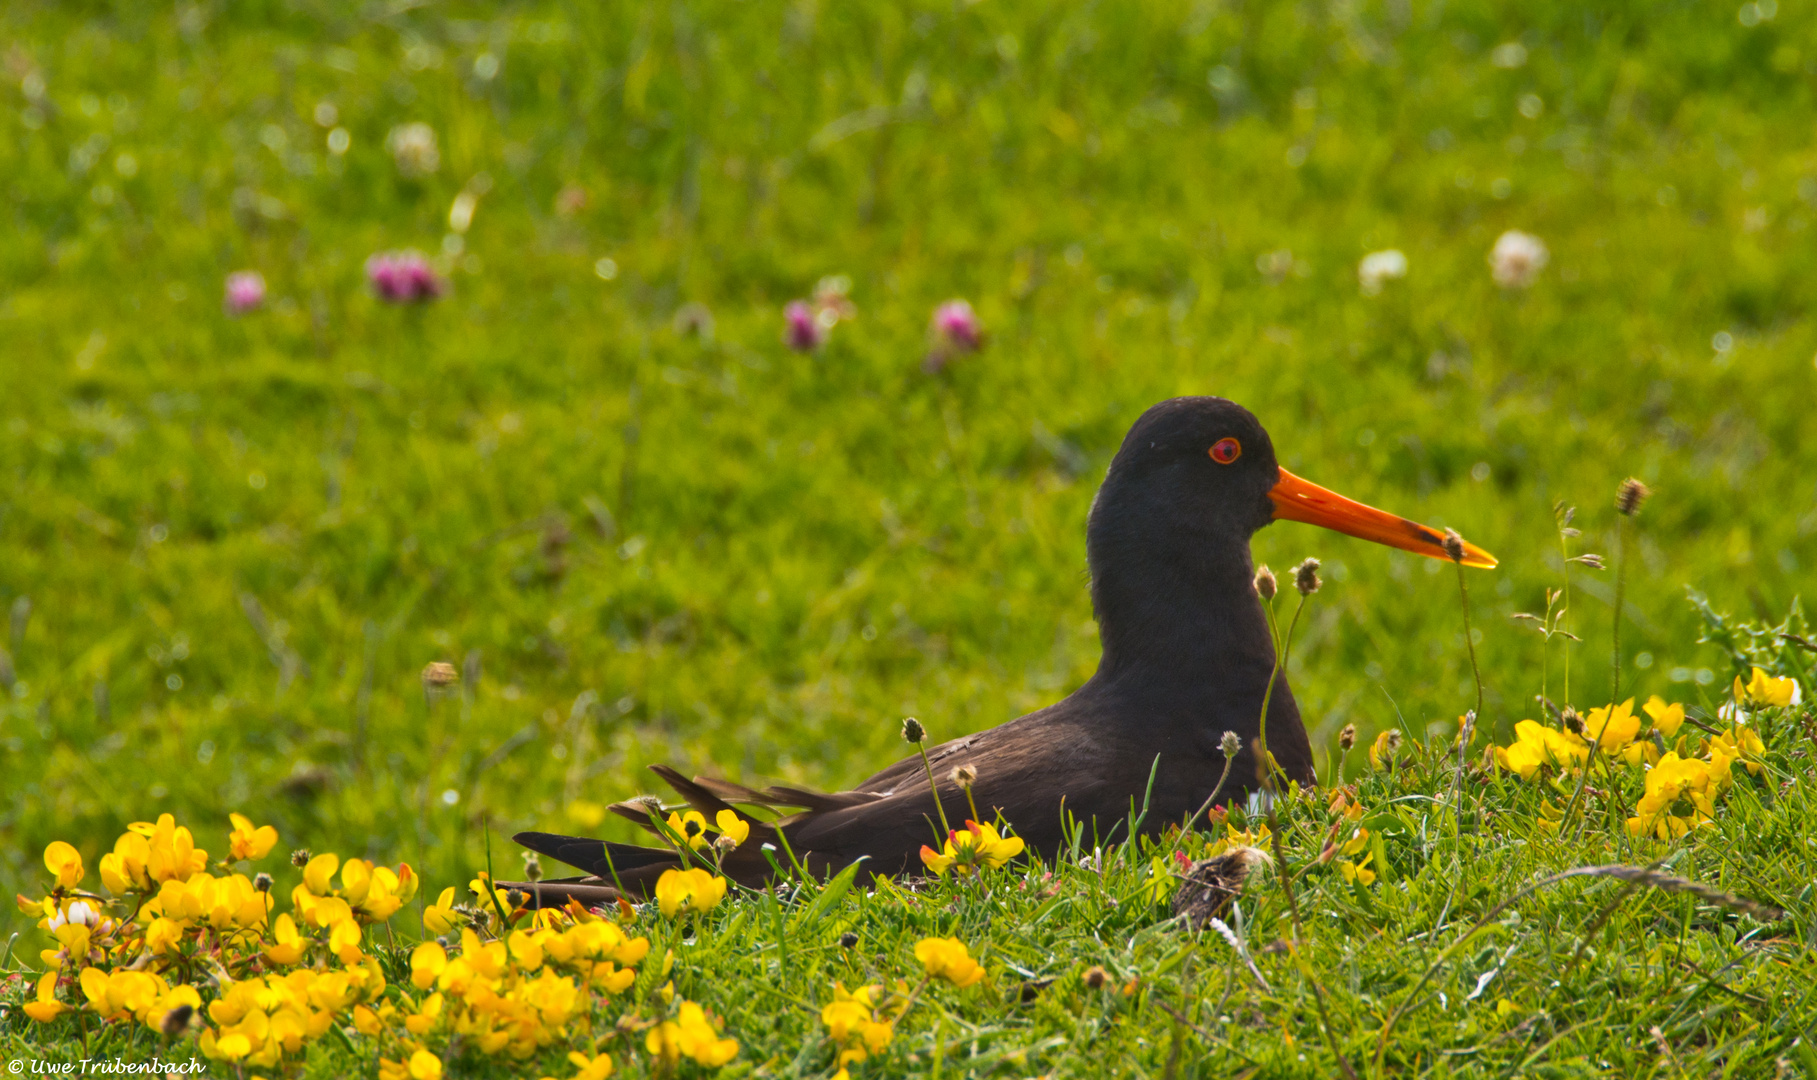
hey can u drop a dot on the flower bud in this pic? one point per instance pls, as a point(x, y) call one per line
point(1096, 977)
point(533, 867)
point(1306, 577)
point(1572, 722)
point(1265, 584)
point(1631, 494)
point(912, 731)
point(1454, 545)
point(438, 676)
point(1347, 738)
point(262, 882)
point(300, 857)
point(848, 940)
point(964, 775)
point(1230, 744)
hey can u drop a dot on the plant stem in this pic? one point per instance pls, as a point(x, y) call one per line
point(928, 767)
point(1265, 771)
point(1621, 591)
point(1468, 727)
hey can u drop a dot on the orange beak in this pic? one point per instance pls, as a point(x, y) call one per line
point(1302, 500)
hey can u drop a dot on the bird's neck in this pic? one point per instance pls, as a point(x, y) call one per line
point(1182, 623)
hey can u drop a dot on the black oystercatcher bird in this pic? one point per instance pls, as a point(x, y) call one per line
point(1186, 657)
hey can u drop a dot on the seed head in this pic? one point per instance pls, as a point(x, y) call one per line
point(1572, 722)
point(262, 882)
point(1096, 977)
point(300, 857)
point(1631, 494)
point(1230, 744)
point(1265, 584)
point(1306, 577)
point(176, 1021)
point(912, 731)
point(848, 940)
point(533, 867)
point(1454, 545)
point(438, 676)
point(724, 845)
point(1593, 561)
point(515, 898)
point(1347, 738)
point(964, 775)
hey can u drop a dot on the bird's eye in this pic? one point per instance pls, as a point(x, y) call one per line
point(1225, 451)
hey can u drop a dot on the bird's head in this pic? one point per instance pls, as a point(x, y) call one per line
point(1202, 469)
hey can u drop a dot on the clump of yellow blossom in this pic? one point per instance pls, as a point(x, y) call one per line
point(680, 892)
point(690, 1034)
point(949, 959)
point(857, 1024)
point(973, 848)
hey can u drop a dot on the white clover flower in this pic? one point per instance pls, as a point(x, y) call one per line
point(1517, 259)
point(1378, 268)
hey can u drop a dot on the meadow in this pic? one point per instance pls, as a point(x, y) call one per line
point(593, 476)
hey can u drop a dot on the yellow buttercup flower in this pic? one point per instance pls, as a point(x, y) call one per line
point(732, 825)
point(1680, 796)
point(1612, 728)
point(1358, 871)
point(948, 958)
point(1739, 743)
point(686, 891)
point(690, 1035)
point(973, 848)
point(65, 864)
point(45, 1007)
point(440, 917)
point(1381, 751)
point(1536, 746)
point(1763, 691)
point(246, 842)
point(597, 1067)
point(123, 870)
point(1667, 719)
point(691, 827)
point(855, 1024)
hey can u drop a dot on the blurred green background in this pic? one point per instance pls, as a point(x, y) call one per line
point(229, 545)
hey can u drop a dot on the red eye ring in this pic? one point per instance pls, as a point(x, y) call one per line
point(1225, 451)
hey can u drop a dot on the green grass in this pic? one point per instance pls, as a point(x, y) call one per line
point(654, 546)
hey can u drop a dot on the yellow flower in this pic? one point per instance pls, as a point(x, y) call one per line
point(124, 869)
point(854, 1023)
point(970, 849)
point(1381, 751)
point(690, 1035)
point(682, 891)
point(46, 1007)
point(732, 825)
point(286, 947)
point(318, 873)
point(1611, 727)
point(1680, 796)
point(439, 917)
point(948, 958)
point(65, 864)
point(171, 849)
point(1667, 719)
point(1762, 691)
point(427, 964)
point(246, 842)
point(691, 826)
point(1739, 743)
point(1536, 745)
point(1358, 871)
point(597, 1067)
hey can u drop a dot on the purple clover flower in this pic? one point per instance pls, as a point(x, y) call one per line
point(803, 331)
point(403, 277)
point(954, 329)
point(245, 292)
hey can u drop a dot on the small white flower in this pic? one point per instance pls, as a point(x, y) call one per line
point(1517, 259)
point(79, 912)
point(1378, 268)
